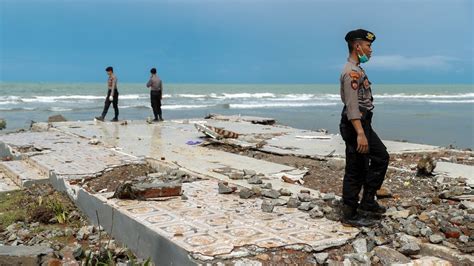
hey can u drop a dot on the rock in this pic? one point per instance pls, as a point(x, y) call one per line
point(184, 197)
point(467, 205)
point(267, 206)
point(389, 256)
point(3, 124)
point(451, 255)
point(267, 186)
point(83, 233)
point(451, 232)
point(464, 239)
point(305, 206)
point(249, 172)
point(380, 240)
point(223, 188)
point(285, 192)
point(329, 196)
point(77, 251)
point(321, 258)
point(412, 230)
point(257, 190)
point(409, 249)
point(271, 193)
point(56, 118)
point(94, 141)
point(357, 259)
point(426, 165)
point(384, 192)
point(452, 192)
point(246, 193)
point(236, 175)
point(426, 231)
point(293, 203)
point(398, 214)
point(424, 217)
point(315, 213)
point(360, 245)
point(304, 197)
point(436, 238)
point(25, 255)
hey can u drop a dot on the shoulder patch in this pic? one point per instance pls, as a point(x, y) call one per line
point(354, 75)
point(354, 84)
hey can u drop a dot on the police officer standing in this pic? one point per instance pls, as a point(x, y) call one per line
point(366, 156)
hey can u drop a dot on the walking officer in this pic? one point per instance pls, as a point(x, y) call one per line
point(112, 96)
point(366, 156)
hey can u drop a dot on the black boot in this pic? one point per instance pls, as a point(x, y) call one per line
point(99, 118)
point(351, 217)
point(370, 205)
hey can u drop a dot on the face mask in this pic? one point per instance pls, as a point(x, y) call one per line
point(363, 58)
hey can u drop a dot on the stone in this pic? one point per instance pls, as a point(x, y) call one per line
point(380, 240)
point(267, 206)
point(409, 249)
point(360, 245)
point(223, 188)
point(305, 206)
point(384, 192)
point(249, 172)
point(449, 254)
point(412, 230)
point(464, 239)
point(467, 205)
point(236, 175)
point(293, 203)
point(426, 231)
point(398, 214)
point(257, 190)
point(321, 258)
point(451, 232)
point(315, 213)
point(184, 197)
point(389, 256)
point(83, 233)
point(77, 251)
point(304, 197)
point(246, 193)
point(24, 255)
point(271, 193)
point(436, 238)
point(357, 259)
point(267, 186)
point(329, 196)
point(56, 118)
point(426, 165)
point(285, 192)
point(424, 217)
point(3, 124)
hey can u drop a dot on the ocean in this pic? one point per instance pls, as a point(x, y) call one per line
point(430, 114)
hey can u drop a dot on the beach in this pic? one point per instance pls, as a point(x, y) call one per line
point(403, 112)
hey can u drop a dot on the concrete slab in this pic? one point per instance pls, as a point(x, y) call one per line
point(456, 170)
point(6, 184)
point(22, 173)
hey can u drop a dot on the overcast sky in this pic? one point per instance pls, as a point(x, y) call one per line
point(233, 41)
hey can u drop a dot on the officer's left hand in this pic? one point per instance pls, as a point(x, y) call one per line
point(111, 98)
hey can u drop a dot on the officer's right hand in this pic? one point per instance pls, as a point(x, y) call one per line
point(362, 143)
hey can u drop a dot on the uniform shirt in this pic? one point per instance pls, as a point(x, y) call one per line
point(356, 93)
point(112, 82)
point(155, 83)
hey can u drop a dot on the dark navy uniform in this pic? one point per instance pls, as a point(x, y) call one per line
point(368, 170)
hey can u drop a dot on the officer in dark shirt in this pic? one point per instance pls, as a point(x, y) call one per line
point(366, 156)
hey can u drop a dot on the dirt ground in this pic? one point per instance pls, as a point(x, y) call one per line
point(110, 180)
point(40, 215)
